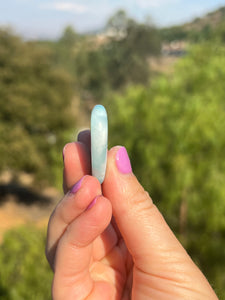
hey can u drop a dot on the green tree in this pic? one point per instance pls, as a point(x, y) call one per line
point(128, 54)
point(24, 271)
point(69, 37)
point(173, 33)
point(118, 23)
point(35, 110)
point(65, 50)
point(122, 59)
point(174, 133)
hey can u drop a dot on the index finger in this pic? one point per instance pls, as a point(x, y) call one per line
point(77, 163)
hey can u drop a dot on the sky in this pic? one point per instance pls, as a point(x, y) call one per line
point(41, 19)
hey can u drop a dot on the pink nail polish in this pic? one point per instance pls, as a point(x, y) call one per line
point(76, 186)
point(123, 161)
point(92, 203)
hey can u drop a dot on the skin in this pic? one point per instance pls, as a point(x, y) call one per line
point(121, 247)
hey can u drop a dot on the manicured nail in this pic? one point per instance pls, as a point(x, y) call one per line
point(92, 203)
point(76, 186)
point(123, 161)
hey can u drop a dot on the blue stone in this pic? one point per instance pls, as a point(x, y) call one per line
point(99, 142)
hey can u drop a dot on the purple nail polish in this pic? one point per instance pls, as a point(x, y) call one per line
point(76, 186)
point(92, 203)
point(123, 161)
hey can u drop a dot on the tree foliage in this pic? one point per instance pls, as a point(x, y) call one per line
point(121, 59)
point(24, 271)
point(128, 50)
point(208, 28)
point(35, 101)
point(173, 33)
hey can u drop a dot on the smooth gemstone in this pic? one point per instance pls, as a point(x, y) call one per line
point(99, 142)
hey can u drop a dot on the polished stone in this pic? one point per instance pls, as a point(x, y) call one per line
point(99, 142)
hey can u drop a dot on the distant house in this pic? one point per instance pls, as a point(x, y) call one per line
point(174, 48)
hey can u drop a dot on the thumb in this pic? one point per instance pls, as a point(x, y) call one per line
point(152, 244)
point(141, 224)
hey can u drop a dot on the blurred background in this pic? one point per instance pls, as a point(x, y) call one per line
point(159, 69)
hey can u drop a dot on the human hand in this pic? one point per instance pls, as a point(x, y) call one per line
point(132, 255)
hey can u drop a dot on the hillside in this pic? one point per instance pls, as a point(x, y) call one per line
point(199, 29)
point(213, 19)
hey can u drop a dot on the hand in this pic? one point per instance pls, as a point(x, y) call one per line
point(132, 255)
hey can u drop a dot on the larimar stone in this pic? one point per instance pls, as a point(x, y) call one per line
point(99, 142)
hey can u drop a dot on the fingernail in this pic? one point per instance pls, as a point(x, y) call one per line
point(92, 203)
point(123, 161)
point(77, 186)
